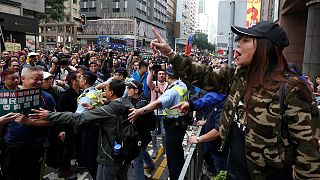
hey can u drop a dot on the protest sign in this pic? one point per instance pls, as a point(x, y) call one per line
point(21, 101)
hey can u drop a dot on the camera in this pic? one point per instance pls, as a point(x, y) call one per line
point(136, 52)
point(63, 59)
point(157, 63)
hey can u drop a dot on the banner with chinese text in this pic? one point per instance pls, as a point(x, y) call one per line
point(253, 12)
point(21, 101)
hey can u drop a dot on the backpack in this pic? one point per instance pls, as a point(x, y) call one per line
point(126, 135)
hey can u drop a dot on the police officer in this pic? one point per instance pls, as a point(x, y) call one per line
point(175, 123)
point(88, 133)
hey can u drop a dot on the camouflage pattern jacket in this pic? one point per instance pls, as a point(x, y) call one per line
point(268, 145)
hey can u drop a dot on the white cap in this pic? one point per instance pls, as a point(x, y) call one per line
point(33, 54)
point(46, 75)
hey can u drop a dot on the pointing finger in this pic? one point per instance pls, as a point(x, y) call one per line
point(157, 34)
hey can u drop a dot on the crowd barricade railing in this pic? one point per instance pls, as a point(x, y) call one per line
point(192, 168)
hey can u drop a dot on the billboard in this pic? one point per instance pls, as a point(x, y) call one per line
point(12, 46)
point(31, 42)
point(253, 12)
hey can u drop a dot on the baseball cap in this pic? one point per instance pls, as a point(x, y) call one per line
point(33, 54)
point(135, 85)
point(265, 29)
point(46, 75)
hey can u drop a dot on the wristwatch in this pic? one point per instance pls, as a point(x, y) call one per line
point(144, 110)
point(198, 139)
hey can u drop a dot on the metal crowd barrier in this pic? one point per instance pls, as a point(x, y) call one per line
point(192, 168)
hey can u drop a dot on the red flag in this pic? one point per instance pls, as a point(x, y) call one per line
point(188, 50)
point(189, 44)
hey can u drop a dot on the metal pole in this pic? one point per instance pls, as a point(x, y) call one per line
point(135, 33)
point(230, 54)
point(2, 39)
point(175, 45)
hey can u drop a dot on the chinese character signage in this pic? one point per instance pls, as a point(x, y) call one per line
point(19, 101)
point(253, 12)
point(12, 46)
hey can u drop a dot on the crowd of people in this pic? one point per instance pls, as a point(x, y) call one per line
point(260, 119)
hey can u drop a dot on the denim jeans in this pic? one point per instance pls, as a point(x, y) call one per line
point(138, 163)
point(155, 133)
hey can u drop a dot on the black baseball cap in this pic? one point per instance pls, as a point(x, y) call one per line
point(135, 85)
point(265, 29)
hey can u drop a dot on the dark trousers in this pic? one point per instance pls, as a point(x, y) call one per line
point(111, 172)
point(174, 149)
point(23, 162)
point(89, 148)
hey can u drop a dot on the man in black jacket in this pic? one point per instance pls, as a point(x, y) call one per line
point(145, 124)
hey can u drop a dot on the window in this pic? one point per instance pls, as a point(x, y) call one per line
point(74, 1)
point(94, 9)
point(84, 10)
point(116, 0)
point(116, 10)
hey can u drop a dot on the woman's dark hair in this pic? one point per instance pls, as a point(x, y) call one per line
point(118, 87)
point(268, 69)
point(71, 76)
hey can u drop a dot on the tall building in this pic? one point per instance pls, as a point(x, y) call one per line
point(224, 25)
point(185, 21)
point(20, 24)
point(171, 18)
point(123, 23)
point(301, 21)
point(64, 32)
point(202, 18)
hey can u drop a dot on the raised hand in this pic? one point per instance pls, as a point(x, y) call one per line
point(182, 107)
point(39, 114)
point(160, 44)
point(192, 140)
point(135, 113)
point(21, 119)
point(87, 106)
point(62, 136)
point(8, 117)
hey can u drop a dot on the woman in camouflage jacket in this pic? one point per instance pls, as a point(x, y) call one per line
point(266, 135)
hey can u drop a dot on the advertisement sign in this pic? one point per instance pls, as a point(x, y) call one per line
point(12, 46)
point(31, 42)
point(253, 12)
point(21, 101)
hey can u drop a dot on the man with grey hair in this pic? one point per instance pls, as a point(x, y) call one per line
point(26, 145)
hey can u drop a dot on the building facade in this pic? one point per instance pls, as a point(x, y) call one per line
point(64, 32)
point(185, 23)
point(202, 23)
point(20, 24)
point(224, 21)
point(124, 22)
point(301, 21)
point(171, 18)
